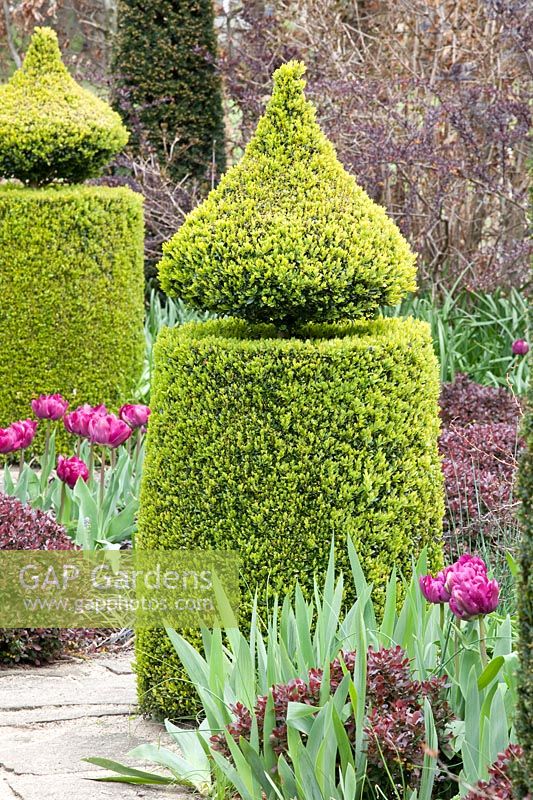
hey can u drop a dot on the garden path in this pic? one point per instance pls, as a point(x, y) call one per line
point(53, 716)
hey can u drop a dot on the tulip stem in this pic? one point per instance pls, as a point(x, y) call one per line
point(21, 462)
point(78, 447)
point(102, 478)
point(91, 461)
point(47, 442)
point(456, 654)
point(62, 502)
point(448, 632)
point(138, 450)
point(483, 642)
point(113, 458)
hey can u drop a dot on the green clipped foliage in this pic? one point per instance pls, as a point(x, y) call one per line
point(270, 446)
point(166, 84)
point(50, 127)
point(71, 283)
point(288, 236)
point(524, 722)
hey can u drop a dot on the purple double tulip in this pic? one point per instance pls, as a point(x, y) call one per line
point(465, 585)
point(49, 406)
point(8, 438)
point(70, 469)
point(25, 431)
point(135, 415)
point(77, 421)
point(17, 436)
point(108, 430)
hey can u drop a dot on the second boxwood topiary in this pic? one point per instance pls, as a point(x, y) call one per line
point(273, 433)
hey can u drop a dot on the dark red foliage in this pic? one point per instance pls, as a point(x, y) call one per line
point(499, 785)
point(25, 528)
point(479, 464)
point(464, 402)
point(394, 727)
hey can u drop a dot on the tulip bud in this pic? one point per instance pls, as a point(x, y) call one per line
point(520, 347)
point(434, 589)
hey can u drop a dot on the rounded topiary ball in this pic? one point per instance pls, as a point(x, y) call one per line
point(50, 127)
point(288, 236)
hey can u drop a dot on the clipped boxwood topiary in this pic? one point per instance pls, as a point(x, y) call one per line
point(25, 528)
point(71, 282)
point(50, 127)
point(271, 434)
point(71, 257)
point(270, 446)
point(288, 235)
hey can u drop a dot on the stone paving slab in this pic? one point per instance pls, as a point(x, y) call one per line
point(52, 717)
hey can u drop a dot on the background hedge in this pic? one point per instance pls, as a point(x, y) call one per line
point(167, 84)
point(270, 446)
point(71, 283)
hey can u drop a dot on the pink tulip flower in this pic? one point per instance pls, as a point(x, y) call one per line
point(8, 440)
point(520, 347)
point(24, 432)
point(466, 568)
point(49, 406)
point(77, 422)
point(465, 586)
point(108, 430)
point(134, 415)
point(434, 589)
point(474, 597)
point(70, 469)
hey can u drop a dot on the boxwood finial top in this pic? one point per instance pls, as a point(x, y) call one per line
point(50, 127)
point(288, 236)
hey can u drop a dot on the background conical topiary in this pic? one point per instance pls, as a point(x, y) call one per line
point(166, 84)
point(288, 236)
point(50, 127)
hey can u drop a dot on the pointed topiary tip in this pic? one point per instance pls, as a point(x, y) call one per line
point(43, 53)
point(290, 72)
point(288, 236)
point(51, 128)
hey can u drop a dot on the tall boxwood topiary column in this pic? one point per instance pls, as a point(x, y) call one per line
point(524, 722)
point(166, 83)
point(71, 256)
point(306, 418)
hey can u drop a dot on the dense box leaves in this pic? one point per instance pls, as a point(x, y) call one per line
point(288, 236)
point(71, 281)
point(50, 127)
point(270, 446)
